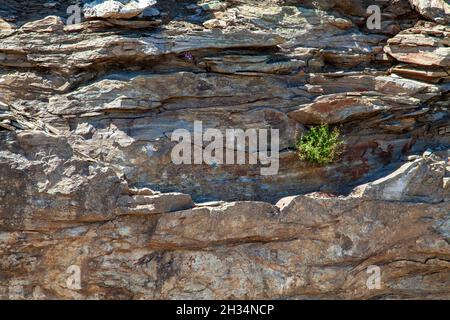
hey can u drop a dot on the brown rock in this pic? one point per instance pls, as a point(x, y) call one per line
point(401, 185)
point(6, 26)
point(86, 176)
point(116, 9)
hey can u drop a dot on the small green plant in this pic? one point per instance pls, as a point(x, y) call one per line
point(320, 145)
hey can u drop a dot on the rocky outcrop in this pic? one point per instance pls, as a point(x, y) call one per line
point(423, 45)
point(140, 244)
point(402, 185)
point(436, 10)
point(86, 179)
point(116, 9)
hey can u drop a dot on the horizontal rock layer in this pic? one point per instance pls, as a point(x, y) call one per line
point(140, 244)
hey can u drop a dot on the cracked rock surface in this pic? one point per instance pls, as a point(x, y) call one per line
point(86, 116)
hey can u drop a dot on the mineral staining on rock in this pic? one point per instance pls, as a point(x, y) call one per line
point(86, 179)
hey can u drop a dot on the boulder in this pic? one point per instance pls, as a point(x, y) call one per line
point(87, 180)
point(115, 9)
point(338, 108)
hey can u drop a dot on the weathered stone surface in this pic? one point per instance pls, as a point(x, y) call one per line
point(116, 9)
point(6, 26)
point(437, 10)
point(304, 246)
point(425, 44)
point(338, 108)
point(153, 204)
point(86, 176)
point(48, 24)
point(92, 50)
point(143, 91)
point(420, 73)
point(402, 184)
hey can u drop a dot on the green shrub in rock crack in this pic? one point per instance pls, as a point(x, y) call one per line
point(320, 145)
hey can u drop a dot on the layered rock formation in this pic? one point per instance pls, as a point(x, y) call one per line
point(86, 179)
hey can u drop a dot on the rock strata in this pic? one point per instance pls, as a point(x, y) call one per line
point(87, 112)
point(116, 9)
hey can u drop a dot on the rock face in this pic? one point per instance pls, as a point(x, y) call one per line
point(437, 10)
point(402, 184)
point(116, 9)
point(86, 177)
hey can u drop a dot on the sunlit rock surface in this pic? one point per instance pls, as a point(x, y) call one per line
point(86, 178)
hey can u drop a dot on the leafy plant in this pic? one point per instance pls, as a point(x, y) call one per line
point(320, 145)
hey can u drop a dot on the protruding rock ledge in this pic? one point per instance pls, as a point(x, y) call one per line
point(113, 9)
point(421, 180)
point(426, 44)
point(437, 10)
point(116, 85)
